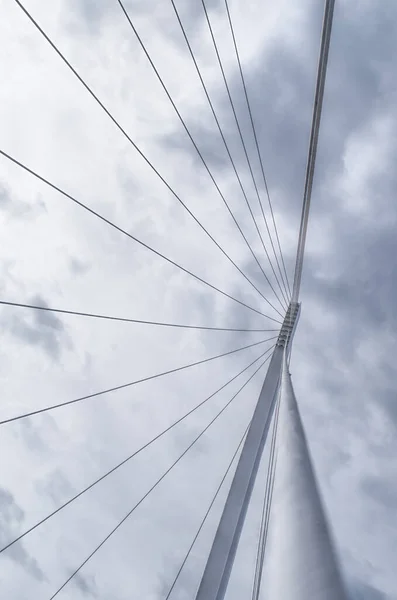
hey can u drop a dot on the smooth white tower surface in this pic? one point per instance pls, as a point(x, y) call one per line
point(300, 561)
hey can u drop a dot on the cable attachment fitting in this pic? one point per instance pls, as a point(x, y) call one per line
point(288, 325)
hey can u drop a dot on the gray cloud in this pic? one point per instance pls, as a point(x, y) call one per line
point(87, 16)
point(19, 209)
point(86, 585)
point(44, 330)
point(4, 197)
point(11, 518)
point(281, 89)
point(187, 581)
point(55, 486)
point(78, 267)
point(208, 142)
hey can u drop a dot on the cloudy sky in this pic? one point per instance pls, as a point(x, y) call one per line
point(54, 252)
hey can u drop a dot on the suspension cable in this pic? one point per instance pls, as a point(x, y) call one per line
point(131, 456)
point(140, 152)
point(129, 384)
point(170, 98)
point(128, 320)
point(129, 235)
point(244, 148)
point(155, 484)
point(285, 282)
point(207, 513)
point(222, 136)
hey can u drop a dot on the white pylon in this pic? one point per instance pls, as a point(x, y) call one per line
point(220, 560)
point(300, 561)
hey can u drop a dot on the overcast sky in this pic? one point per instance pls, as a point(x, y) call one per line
point(54, 252)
